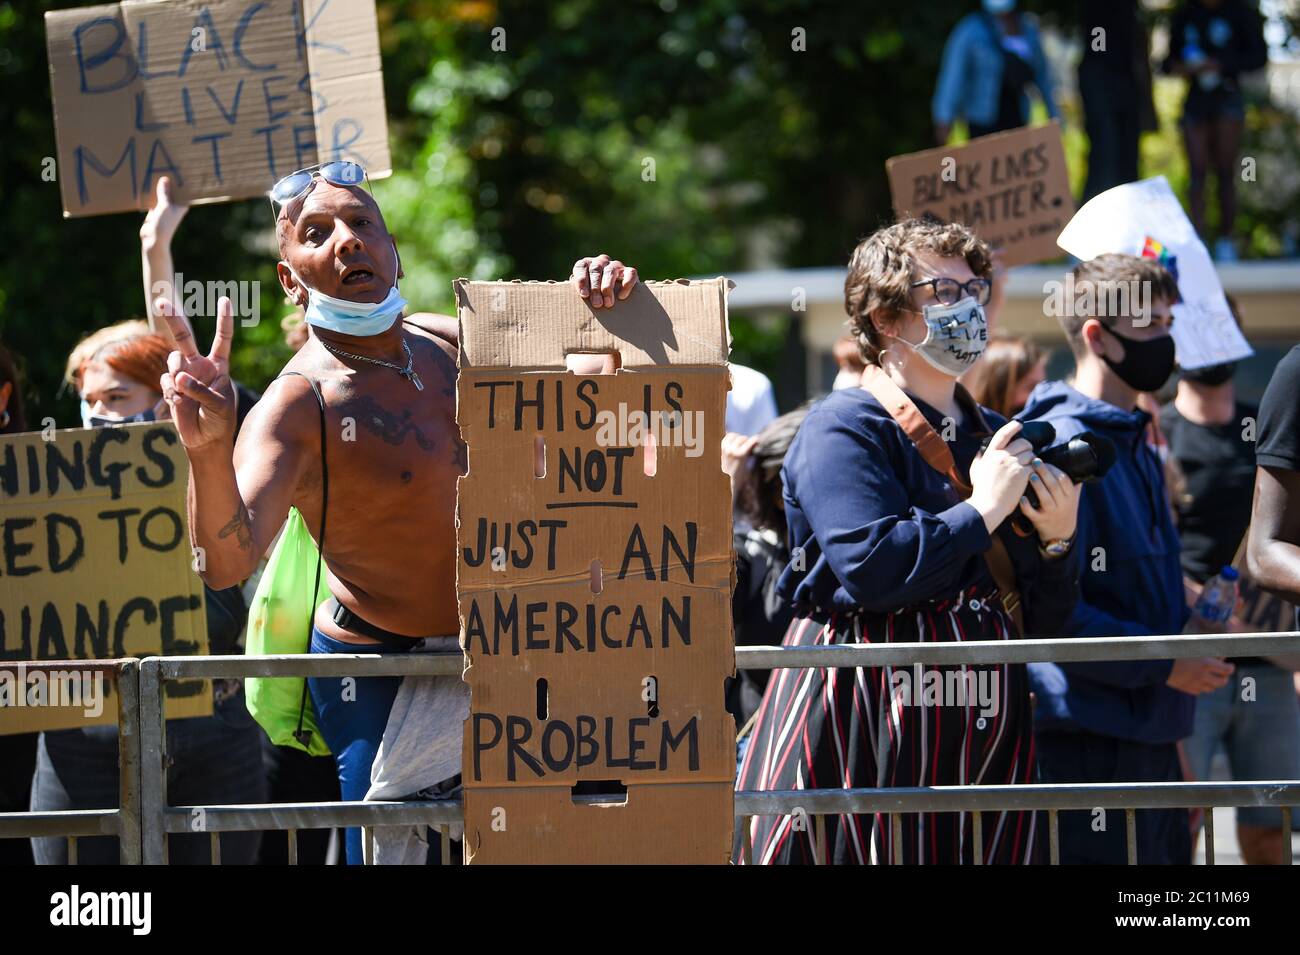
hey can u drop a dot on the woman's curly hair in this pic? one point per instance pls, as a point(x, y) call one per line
point(883, 268)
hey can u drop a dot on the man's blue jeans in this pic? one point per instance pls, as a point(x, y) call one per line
point(352, 716)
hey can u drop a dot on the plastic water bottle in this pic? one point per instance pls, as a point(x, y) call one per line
point(1219, 597)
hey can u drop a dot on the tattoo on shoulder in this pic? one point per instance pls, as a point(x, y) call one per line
point(391, 427)
point(448, 368)
point(239, 526)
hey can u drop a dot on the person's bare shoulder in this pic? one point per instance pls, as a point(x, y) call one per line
point(443, 329)
point(287, 413)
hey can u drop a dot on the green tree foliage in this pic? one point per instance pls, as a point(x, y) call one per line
point(684, 136)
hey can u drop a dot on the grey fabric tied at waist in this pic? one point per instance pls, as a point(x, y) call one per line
point(419, 756)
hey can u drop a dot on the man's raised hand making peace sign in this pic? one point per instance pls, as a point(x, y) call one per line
point(197, 387)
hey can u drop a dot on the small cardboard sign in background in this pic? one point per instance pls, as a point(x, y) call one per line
point(1146, 219)
point(223, 96)
point(1012, 189)
point(95, 561)
point(594, 576)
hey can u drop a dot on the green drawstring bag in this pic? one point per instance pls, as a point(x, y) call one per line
point(280, 621)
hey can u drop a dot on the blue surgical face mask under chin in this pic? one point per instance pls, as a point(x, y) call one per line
point(352, 318)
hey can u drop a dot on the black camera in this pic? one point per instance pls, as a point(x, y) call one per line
point(1084, 458)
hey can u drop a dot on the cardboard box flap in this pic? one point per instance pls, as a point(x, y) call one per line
point(675, 824)
point(536, 324)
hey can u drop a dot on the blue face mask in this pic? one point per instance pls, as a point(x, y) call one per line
point(352, 318)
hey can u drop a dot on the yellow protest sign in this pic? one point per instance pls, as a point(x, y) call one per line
point(95, 563)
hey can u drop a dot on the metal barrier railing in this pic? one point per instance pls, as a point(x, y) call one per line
point(816, 803)
point(157, 819)
point(163, 819)
point(124, 821)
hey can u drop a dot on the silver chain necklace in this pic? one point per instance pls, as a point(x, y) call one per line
point(408, 372)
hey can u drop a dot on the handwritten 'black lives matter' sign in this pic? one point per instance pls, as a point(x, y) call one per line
point(1012, 189)
point(224, 96)
point(594, 576)
point(95, 560)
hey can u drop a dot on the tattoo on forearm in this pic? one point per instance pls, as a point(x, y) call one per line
point(391, 427)
point(240, 527)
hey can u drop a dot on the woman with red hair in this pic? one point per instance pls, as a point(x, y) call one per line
point(119, 380)
point(213, 759)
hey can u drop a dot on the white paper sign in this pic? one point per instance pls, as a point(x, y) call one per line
point(1145, 218)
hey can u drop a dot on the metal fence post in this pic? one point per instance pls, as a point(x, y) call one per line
point(128, 761)
point(153, 763)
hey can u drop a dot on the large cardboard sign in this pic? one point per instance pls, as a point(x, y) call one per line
point(223, 96)
point(594, 576)
point(95, 564)
point(1012, 189)
point(1145, 218)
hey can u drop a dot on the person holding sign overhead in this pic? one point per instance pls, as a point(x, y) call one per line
point(898, 496)
point(364, 415)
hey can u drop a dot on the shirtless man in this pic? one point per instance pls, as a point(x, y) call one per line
point(389, 385)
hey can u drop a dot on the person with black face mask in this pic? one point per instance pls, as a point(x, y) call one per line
point(1208, 434)
point(1120, 721)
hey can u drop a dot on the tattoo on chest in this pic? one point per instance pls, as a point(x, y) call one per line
point(392, 427)
point(238, 526)
point(448, 369)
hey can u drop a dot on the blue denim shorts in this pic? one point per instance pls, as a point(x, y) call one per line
point(1260, 734)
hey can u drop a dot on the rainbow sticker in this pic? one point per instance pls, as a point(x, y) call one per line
point(1154, 249)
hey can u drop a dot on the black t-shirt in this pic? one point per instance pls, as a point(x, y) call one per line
point(1219, 464)
point(1231, 33)
point(1278, 444)
point(1279, 417)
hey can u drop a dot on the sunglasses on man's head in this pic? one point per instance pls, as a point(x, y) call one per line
point(339, 172)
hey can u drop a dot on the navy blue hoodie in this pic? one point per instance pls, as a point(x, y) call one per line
point(1139, 591)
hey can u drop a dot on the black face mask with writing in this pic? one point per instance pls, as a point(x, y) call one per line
point(1147, 363)
point(98, 421)
point(1212, 375)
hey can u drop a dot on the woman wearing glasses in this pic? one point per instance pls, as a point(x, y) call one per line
point(898, 528)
